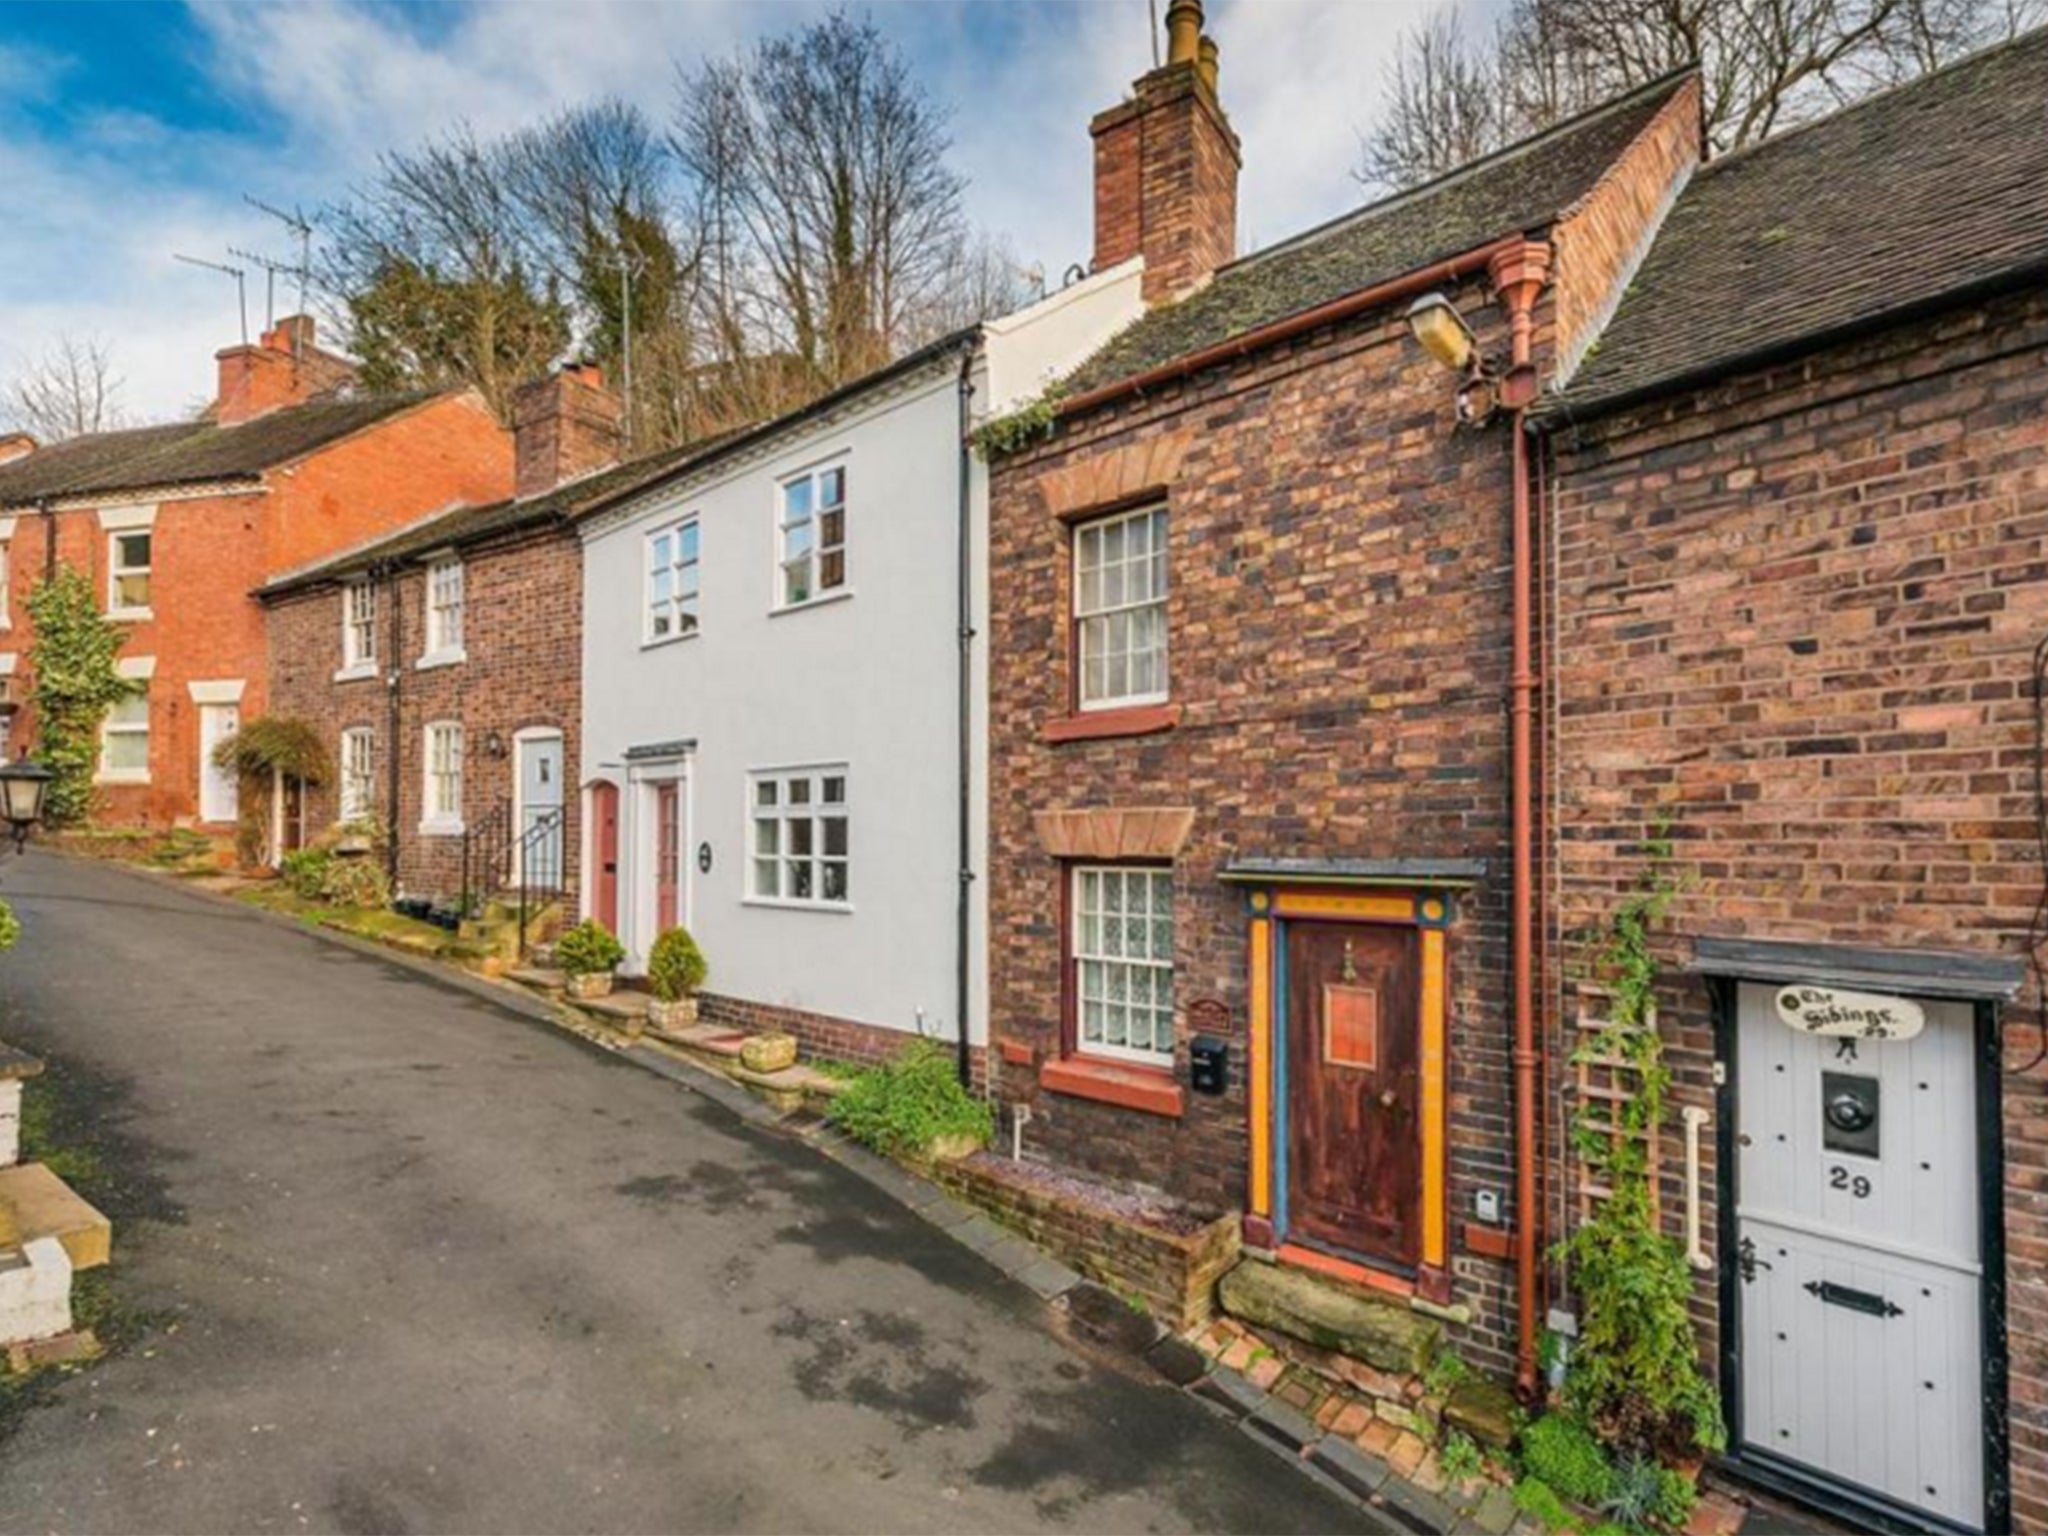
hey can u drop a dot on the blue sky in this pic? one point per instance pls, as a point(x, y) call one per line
point(129, 131)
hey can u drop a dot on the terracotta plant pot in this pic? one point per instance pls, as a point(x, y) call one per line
point(768, 1053)
point(680, 1014)
point(590, 984)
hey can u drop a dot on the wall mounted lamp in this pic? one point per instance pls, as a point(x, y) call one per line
point(1435, 323)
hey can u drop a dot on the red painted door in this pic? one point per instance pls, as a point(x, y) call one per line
point(667, 854)
point(1354, 1090)
point(604, 817)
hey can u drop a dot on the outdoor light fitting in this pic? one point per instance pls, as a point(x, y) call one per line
point(1435, 322)
point(22, 786)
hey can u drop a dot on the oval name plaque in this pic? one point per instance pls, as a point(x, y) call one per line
point(1858, 1015)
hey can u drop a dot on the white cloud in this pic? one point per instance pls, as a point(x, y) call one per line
point(94, 217)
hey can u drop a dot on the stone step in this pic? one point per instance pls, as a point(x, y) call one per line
point(615, 1005)
point(538, 977)
point(712, 1039)
point(39, 1204)
point(1318, 1310)
point(796, 1079)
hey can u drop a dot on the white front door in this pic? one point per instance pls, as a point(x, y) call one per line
point(1858, 1255)
point(219, 793)
point(540, 830)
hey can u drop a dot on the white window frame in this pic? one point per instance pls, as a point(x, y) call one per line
point(1099, 620)
point(112, 726)
point(356, 760)
point(441, 768)
point(1100, 957)
point(116, 570)
point(7, 576)
point(790, 841)
point(683, 608)
point(443, 595)
point(810, 559)
point(358, 630)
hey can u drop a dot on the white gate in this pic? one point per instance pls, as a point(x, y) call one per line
point(1858, 1255)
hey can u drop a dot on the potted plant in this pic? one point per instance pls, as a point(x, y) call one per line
point(675, 970)
point(587, 955)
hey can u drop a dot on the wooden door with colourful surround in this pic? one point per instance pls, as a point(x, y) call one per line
point(1354, 1104)
point(668, 857)
point(604, 884)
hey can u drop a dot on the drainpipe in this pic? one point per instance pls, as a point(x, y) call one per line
point(394, 683)
point(962, 920)
point(1518, 274)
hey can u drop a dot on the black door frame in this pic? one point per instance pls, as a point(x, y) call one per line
point(1801, 1484)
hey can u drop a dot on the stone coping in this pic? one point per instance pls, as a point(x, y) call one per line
point(16, 1065)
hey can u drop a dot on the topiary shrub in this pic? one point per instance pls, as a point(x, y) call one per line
point(906, 1106)
point(588, 949)
point(675, 966)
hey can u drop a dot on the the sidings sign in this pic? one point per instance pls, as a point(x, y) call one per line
point(1856, 1015)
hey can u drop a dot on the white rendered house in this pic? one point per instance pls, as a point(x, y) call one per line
point(785, 686)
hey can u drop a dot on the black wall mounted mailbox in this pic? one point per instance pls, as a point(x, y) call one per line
point(1208, 1064)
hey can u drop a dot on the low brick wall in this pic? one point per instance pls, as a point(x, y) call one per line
point(821, 1035)
point(1171, 1264)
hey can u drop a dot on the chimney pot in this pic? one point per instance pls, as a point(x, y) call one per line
point(1209, 62)
point(1183, 31)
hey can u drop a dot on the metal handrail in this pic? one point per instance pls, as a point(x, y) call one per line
point(485, 843)
point(544, 837)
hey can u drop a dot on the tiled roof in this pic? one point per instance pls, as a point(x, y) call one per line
point(1522, 188)
point(1910, 197)
point(464, 526)
point(187, 452)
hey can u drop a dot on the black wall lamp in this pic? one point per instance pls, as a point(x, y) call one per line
point(23, 786)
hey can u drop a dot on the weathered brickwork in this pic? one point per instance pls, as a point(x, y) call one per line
point(1795, 618)
point(210, 552)
point(523, 636)
point(1338, 615)
point(821, 1036)
point(1166, 181)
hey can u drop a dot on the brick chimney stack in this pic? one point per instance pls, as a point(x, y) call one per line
point(564, 427)
point(1166, 165)
point(284, 368)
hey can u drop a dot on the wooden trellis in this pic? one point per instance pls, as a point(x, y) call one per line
point(1605, 1079)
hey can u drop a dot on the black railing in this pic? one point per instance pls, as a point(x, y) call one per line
point(526, 866)
point(486, 852)
point(538, 864)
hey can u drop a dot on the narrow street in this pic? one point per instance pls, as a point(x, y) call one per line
point(425, 1265)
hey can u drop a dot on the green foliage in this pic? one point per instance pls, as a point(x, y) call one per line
point(913, 1101)
point(417, 326)
point(1445, 1374)
point(675, 966)
point(1676, 1497)
point(1634, 1376)
point(1460, 1458)
point(355, 882)
point(72, 662)
point(588, 949)
point(1538, 1500)
point(1638, 1485)
point(272, 744)
point(1030, 423)
point(10, 927)
point(1561, 1453)
point(305, 871)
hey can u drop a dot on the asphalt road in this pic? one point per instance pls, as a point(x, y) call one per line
point(423, 1265)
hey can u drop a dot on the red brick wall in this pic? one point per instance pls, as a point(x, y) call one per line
point(210, 552)
point(523, 635)
point(1338, 618)
point(820, 1035)
point(1795, 615)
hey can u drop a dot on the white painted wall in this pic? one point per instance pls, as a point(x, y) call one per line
point(869, 679)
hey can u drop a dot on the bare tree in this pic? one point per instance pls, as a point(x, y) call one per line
point(70, 391)
point(1765, 65)
point(832, 221)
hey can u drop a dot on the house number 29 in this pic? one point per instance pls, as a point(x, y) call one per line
point(1857, 1185)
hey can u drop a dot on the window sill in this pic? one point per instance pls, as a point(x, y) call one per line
point(1104, 724)
point(435, 659)
point(359, 673)
point(780, 905)
point(121, 776)
point(1149, 1090)
point(838, 595)
point(131, 615)
point(656, 642)
point(441, 826)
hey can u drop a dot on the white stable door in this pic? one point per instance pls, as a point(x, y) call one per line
point(1857, 1253)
